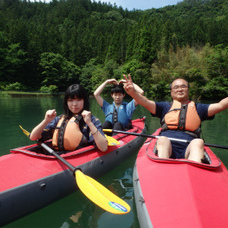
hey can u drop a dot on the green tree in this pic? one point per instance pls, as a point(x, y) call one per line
point(86, 75)
point(12, 59)
point(217, 85)
point(57, 70)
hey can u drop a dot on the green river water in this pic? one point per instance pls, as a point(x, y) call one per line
point(76, 210)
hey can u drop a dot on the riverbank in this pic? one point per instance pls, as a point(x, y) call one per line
point(27, 94)
point(32, 94)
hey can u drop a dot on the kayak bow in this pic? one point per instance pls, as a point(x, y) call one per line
point(178, 192)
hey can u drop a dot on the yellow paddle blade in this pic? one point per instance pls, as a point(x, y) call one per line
point(101, 195)
point(24, 131)
point(112, 141)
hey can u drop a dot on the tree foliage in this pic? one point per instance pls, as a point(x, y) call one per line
point(83, 41)
point(57, 70)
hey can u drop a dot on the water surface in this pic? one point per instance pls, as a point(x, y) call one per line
point(76, 210)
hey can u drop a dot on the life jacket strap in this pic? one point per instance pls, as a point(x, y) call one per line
point(61, 134)
point(78, 119)
point(115, 116)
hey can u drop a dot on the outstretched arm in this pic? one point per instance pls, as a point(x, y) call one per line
point(139, 98)
point(218, 107)
point(98, 91)
point(37, 131)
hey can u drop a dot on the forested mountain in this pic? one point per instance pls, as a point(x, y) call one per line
point(48, 46)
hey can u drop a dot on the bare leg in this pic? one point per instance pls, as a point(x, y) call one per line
point(195, 150)
point(164, 147)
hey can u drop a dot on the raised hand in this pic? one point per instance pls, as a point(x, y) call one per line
point(122, 81)
point(112, 81)
point(50, 115)
point(128, 84)
point(86, 116)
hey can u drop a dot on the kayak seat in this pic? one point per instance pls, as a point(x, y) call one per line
point(206, 159)
point(40, 150)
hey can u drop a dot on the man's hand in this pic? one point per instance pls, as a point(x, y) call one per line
point(112, 81)
point(128, 84)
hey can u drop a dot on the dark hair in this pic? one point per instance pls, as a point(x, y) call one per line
point(170, 85)
point(118, 89)
point(75, 91)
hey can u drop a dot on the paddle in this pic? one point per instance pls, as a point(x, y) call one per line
point(90, 187)
point(112, 141)
point(157, 136)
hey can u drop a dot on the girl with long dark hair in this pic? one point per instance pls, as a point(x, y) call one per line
point(76, 128)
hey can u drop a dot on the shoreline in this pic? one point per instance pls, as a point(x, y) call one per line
point(32, 94)
point(27, 94)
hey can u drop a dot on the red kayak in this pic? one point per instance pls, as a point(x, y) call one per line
point(31, 180)
point(178, 192)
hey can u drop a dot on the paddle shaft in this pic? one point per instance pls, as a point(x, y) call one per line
point(71, 167)
point(171, 139)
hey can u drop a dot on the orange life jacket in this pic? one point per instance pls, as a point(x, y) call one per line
point(182, 117)
point(67, 134)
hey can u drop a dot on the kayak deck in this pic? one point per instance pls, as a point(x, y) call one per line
point(178, 192)
point(31, 180)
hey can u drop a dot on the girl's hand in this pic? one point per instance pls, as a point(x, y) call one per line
point(86, 116)
point(37, 131)
point(50, 115)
